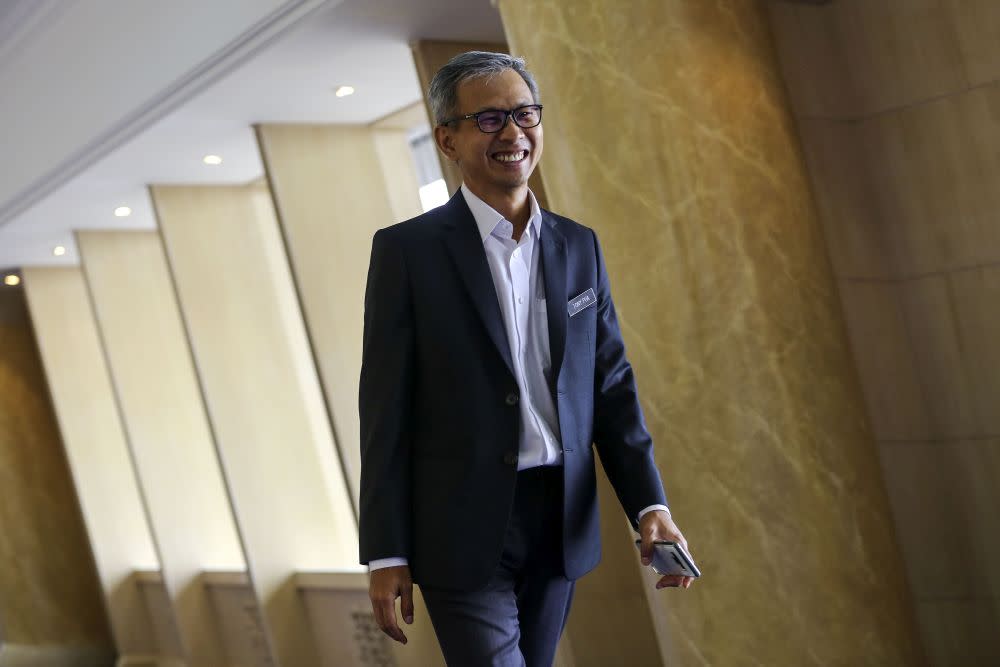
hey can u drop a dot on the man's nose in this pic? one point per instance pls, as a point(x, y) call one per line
point(511, 131)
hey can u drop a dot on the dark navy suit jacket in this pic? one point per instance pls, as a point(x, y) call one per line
point(438, 400)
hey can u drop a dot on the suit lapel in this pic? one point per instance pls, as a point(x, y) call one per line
point(466, 248)
point(554, 272)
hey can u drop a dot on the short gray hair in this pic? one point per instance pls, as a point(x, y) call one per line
point(442, 96)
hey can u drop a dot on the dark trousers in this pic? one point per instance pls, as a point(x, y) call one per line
point(517, 619)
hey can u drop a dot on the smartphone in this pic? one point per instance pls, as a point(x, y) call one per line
point(670, 558)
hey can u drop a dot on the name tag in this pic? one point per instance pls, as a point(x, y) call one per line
point(582, 302)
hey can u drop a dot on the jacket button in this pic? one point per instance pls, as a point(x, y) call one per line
point(510, 458)
point(512, 399)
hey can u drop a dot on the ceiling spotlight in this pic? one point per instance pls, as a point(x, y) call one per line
point(212, 159)
point(123, 212)
point(59, 251)
point(344, 91)
point(12, 280)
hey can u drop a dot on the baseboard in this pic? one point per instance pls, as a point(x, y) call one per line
point(26, 655)
point(134, 660)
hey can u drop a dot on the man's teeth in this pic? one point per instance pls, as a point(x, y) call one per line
point(510, 157)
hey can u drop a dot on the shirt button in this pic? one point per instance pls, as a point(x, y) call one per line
point(520, 299)
point(510, 458)
point(512, 399)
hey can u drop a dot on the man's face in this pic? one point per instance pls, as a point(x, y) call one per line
point(499, 162)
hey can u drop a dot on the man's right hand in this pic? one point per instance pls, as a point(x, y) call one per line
point(385, 585)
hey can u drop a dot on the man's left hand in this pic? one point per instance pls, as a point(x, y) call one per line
point(658, 525)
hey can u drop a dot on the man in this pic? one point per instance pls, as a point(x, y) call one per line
point(492, 360)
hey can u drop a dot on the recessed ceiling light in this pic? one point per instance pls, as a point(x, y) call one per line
point(59, 251)
point(344, 91)
point(212, 159)
point(12, 280)
point(123, 212)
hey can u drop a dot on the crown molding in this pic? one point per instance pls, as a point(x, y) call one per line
point(19, 20)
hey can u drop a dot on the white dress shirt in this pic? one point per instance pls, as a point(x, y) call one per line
point(520, 288)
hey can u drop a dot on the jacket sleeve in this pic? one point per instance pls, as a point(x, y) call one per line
point(620, 434)
point(385, 404)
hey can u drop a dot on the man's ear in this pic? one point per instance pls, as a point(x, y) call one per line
point(445, 142)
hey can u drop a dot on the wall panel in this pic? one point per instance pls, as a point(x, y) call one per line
point(170, 437)
point(334, 187)
point(50, 594)
point(96, 447)
point(733, 323)
point(252, 355)
point(917, 81)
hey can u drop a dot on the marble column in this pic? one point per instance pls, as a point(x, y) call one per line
point(111, 500)
point(50, 593)
point(251, 353)
point(331, 198)
point(391, 136)
point(334, 186)
point(672, 138)
point(168, 431)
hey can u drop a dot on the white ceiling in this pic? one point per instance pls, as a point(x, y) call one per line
point(363, 43)
point(82, 77)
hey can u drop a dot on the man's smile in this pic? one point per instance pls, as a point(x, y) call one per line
point(510, 157)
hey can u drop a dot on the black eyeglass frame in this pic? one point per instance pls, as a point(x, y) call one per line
point(508, 116)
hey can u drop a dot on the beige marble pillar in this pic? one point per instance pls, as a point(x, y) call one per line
point(252, 355)
point(168, 431)
point(334, 186)
point(670, 134)
point(331, 198)
point(86, 407)
point(391, 135)
point(50, 593)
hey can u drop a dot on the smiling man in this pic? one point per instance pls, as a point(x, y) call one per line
point(492, 361)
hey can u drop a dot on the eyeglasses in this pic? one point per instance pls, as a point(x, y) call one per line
point(492, 121)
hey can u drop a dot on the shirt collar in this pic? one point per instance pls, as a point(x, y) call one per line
point(487, 217)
